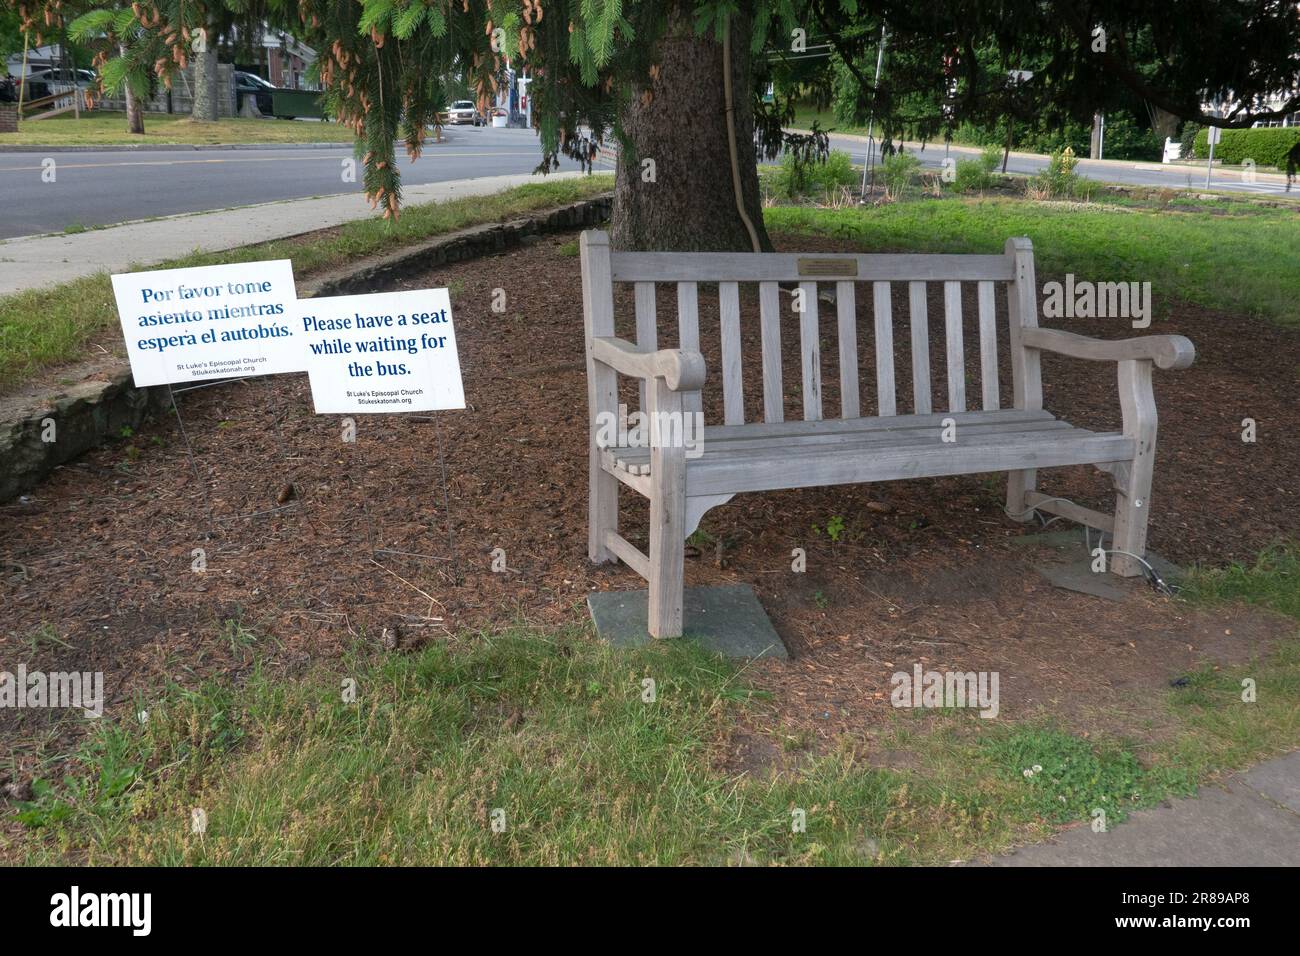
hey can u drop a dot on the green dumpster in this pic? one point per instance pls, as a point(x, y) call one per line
point(289, 104)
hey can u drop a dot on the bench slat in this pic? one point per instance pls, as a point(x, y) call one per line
point(688, 326)
point(835, 425)
point(846, 312)
point(647, 333)
point(778, 445)
point(769, 307)
point(810, 350)
point(988, 346)
point(920, 348)
point(956, 353)
point(785, 267)
point(733, 389)
point(884, 318)
point(874, 462)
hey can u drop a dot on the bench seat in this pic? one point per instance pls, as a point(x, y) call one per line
point(808, 454)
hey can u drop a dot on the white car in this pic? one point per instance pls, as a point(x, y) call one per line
point(463, 111)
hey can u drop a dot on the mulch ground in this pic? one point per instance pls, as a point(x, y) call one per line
point(314, 543)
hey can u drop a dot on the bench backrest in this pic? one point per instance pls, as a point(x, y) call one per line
point(649, 273)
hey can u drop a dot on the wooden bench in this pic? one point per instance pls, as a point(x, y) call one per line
point(737, 455)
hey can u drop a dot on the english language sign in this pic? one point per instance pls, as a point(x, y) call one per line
point(384, 352)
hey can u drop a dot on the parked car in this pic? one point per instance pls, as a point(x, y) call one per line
point(42, 83)
point(250, 84)
point(464, 111)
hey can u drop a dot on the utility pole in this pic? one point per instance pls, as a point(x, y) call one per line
point(1098, 147)
point(1212, 137)
point(871, 123)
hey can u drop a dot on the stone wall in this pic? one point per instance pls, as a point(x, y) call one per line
point(8, 117)
point(72, 423)
point(182, 98)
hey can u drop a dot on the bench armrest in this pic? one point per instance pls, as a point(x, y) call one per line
point(681, 369)
point(1166, 351)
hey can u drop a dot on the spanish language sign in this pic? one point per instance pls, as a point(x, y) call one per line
point(209, 322)
point(385, 352)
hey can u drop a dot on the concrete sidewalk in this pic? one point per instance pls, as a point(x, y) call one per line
point(1251, 819)
point(32, 262)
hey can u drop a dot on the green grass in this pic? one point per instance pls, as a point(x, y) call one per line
point(805, 115)
point(1273, 581)
point(40, 328)
point(1220, 726)
point(107, 128)
point(553, 730)
point(1239, 258)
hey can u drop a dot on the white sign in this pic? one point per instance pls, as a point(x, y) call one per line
point(386, 352)
point(209, 322)
point(1213, 135)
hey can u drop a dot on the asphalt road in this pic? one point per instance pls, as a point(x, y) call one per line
point(102, 188)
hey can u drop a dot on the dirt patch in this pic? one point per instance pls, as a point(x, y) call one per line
point(312, 543)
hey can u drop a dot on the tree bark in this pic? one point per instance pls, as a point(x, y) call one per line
point(205, 81)
point(134, 109)
point(675, 191)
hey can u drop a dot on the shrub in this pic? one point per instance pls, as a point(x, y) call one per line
point(1126, 139)
point(991, 157)
point(1267, 145)
point(794, 178)
point(974, 175)
point(897, 170)
point(1059, 179)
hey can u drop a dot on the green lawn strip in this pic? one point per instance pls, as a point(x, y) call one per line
point(107, 128)
point(551, 728)
point(45, 327)
point(1222, 729)
point(1237, 259)
point(1273, 581)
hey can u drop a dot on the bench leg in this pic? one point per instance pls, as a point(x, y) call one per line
point(602, 510)
point(1019, 484)
point(602, 487)
point(1133, 482)
point(667, 518)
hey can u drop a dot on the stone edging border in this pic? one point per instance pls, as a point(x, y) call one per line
point(86, 414)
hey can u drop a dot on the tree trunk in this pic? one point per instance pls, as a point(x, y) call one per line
point(675, 191)
point(134, 109)
point(205, 81)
